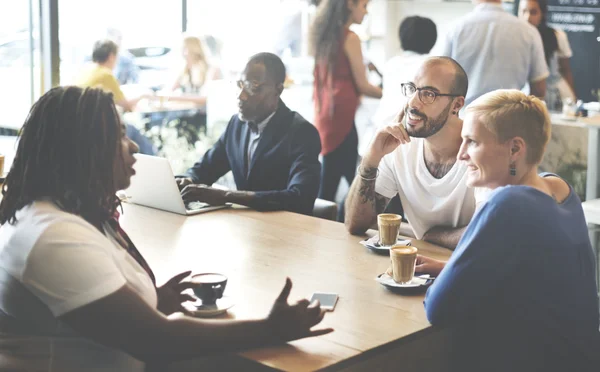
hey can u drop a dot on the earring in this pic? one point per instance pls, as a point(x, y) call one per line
point(513, 169)
point(453, 112)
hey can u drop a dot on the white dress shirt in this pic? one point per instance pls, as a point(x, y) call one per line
point(255, 134)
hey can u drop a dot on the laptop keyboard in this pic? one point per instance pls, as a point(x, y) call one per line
point(195, 205)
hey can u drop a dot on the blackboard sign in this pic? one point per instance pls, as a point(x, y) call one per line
point(580, 19)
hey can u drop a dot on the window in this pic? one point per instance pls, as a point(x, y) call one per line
point(19, 61)
point(149, 29)
point(239, 28)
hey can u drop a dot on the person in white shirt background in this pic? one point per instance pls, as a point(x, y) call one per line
point(560, 84)
point(497, 50)
point(416, 158)
point(417, 36)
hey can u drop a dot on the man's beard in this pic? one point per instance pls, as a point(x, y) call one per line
point(430, 126)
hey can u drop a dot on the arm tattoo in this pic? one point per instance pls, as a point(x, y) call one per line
point(367, 192)
point(366, 189)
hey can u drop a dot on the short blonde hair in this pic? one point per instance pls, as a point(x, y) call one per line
point(511, 113)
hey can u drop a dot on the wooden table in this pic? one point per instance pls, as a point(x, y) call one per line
point(373, 327)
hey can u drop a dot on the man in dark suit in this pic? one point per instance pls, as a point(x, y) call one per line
point(272, 151)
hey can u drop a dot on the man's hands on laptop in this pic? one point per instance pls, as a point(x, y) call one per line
point(203, 193)
point(385, 141)
point(182, 182)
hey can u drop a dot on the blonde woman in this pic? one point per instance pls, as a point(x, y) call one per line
point(520, 285)
point(195, 73)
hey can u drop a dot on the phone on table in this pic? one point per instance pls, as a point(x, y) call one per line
point(327, 300)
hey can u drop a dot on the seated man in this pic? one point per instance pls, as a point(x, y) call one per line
point(272, 151)
point(100, 75)
point(417, 160)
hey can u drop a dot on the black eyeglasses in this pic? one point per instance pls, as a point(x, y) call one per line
point(427, 96)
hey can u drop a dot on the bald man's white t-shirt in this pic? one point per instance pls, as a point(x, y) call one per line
point(426, 200)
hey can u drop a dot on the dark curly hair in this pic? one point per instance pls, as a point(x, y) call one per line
point(417, 34)
point(66, 153)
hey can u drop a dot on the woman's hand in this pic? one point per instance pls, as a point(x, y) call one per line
point(291, 322)
point(426, 265)
point(170, 297)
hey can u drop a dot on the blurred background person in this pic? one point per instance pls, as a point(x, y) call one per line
point(417, 36)
point(340, 77)
point(497, 50)
point(557, 50)
point(191, 79)
point(126, 71)
point(288, 35)
point(100, 75)
point(197, 70)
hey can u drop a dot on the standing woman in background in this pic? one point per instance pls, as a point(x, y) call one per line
point(557, 51)
point(340, 77)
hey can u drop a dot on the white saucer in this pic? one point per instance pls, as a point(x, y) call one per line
point(416, 281)
point(373, 244)
point(197, 309)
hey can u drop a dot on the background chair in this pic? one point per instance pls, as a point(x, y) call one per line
point(325, 209)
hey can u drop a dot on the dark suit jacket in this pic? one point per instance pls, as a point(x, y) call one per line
point(285, 171)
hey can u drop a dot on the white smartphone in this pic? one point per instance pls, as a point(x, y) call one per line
point(327, 300)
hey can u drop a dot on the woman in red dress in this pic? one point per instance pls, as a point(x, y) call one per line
point(340, 78)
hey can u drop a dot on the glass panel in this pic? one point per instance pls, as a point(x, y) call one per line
point(234, 29)
point(16, 59)
point(149, 31)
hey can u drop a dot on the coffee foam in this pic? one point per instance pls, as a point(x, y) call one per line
point(403, 249)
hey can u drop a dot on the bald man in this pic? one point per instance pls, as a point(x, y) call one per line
point(416, 158)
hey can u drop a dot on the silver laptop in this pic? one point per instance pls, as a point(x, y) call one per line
point(153, 185)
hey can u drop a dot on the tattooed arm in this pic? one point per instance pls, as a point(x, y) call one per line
point(363, 204)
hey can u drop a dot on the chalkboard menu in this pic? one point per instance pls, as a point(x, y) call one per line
point(580, 19)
